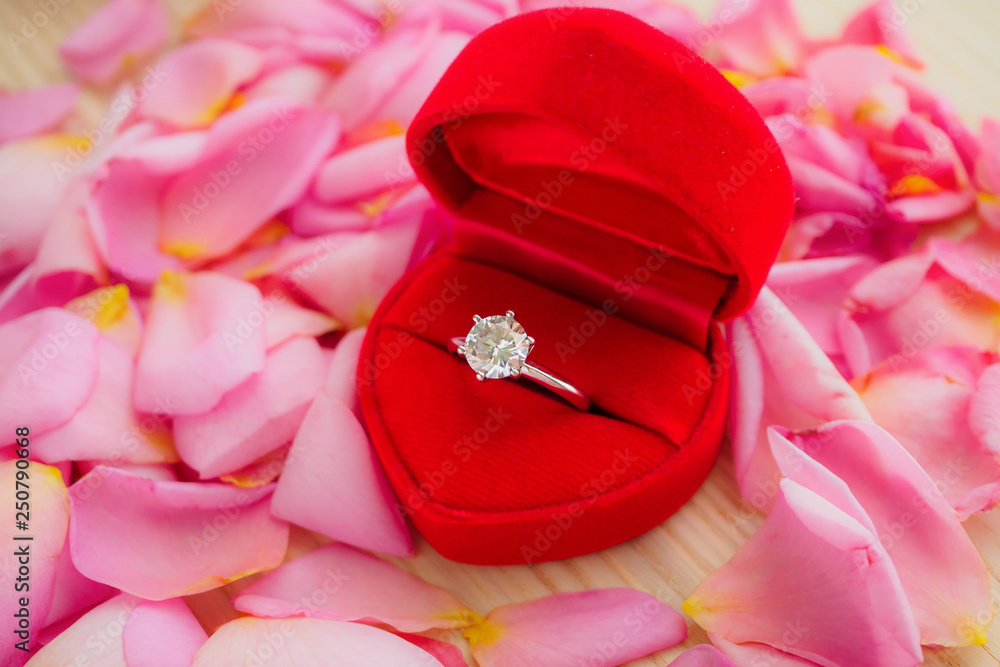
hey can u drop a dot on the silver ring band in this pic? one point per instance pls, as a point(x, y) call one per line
point(497, 347)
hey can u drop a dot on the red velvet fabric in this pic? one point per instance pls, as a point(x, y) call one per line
point(621, 197)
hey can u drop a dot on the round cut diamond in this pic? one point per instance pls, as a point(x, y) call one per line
point(497, 346)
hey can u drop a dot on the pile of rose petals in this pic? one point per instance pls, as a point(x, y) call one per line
point(186, 279)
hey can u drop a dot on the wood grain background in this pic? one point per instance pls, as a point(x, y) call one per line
point(959, 41)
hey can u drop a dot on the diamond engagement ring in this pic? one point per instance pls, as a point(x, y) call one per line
point(498, 347)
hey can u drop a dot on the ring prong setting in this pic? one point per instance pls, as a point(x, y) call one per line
point(476, 319)
point(480, 377)
point(496, 346)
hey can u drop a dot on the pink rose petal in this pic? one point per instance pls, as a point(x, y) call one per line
point(847, 74)
point(808, 545)
point(25, 113)
point(67, 262)
point(984, 418)
point(199, 79)
point(754, 654)
point(71, 591)
point(258, 160)
point(795, 464)
point(170, 538)
point(32, 180)
point(363, 171)
point(702, 656)
point(107, 427)
point(48, 369)
point(923, 209)
point(351, 279)
point(121, 32)
point(761, 37)
point(988, 163)
point(814, 290)
point(256, 417)
point(926, 402)
point(47, 519)
point(942, 575)
point(919, 300)
point(159, 471)
point(289, 320)
point(881, 24)
point(340, 583)
point(301, 17)
point(987, 171)
point(307, 642)
point(781, 377)
point(333, 484)
point(162, 634)
point(447, 654)
point(114, 312)
point(303, 82)
point(359, 93)
point(204, 337)
point(124, 216)
point(613, 625)
point(342, 376)
point(128, 630)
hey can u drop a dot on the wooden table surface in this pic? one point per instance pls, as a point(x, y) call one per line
point(959, 41)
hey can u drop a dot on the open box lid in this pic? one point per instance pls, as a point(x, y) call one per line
point(612, 136)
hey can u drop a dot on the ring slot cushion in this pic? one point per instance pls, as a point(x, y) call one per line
point(618, 194)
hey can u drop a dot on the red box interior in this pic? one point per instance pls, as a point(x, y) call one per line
point(618, 194)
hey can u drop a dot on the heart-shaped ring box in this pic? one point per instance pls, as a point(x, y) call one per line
point(618, 194)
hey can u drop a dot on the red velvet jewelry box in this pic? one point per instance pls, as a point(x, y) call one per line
point(621, 197)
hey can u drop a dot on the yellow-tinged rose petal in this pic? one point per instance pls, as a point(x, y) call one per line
point(170, 286)
point(379, 204)
point(867, 110)
point(913, 184)
point(113, 308)
point(483, 634)
point(184, 249)
point(57, 141)
point(376, 130)
point(268, 233)
point(738, 78)
point(891, 55)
